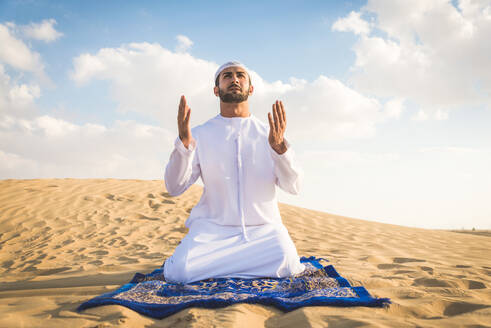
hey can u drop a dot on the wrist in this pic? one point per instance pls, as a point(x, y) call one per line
point(186, 141)
point(280, 148)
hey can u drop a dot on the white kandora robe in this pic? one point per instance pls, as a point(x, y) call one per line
point(235, 230)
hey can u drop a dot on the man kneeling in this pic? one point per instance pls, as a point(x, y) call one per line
point(235, 230)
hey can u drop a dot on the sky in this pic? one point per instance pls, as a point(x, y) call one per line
point(388, 102)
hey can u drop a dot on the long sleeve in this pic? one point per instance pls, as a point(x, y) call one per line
point(288, 175)
point(183, 168)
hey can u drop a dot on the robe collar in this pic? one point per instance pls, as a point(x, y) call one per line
point(232, 119)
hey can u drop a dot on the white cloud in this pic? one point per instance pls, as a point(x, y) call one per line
point(437, 114)
point(453, 149)
point(393, 108)
point(429, 52)
point(87, 66)
point(43, 31)
point(47, 147)
point(17, 99)
point(149, 79)
point(332, 159)
point(184, 43)
point(352, 23)
point(53, 127)
point(13, 163)
point(24, 94)
point(421, 115)
point(16, 53)
point(324, 109)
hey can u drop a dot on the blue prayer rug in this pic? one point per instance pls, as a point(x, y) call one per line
point(318, 285)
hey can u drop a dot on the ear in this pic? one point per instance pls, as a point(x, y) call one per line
point(215, 91)
point(251, 89)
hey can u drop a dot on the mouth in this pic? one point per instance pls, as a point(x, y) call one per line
point(234, 88)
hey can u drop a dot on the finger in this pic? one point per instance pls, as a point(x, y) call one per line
point(270, 120)
point(283, 111)
point(276, 117)
point(282, 115)
point(273, 121)
point(188, 116)
point(180, 112)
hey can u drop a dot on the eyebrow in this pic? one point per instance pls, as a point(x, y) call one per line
point(229, 73)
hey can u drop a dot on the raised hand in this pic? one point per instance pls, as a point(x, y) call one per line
point(183, 116)
point(277, 126)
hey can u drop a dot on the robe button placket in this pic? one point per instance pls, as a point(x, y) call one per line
point(239, 185)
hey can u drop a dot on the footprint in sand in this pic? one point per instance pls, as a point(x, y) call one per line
point(96, 262)
point(67, 242)
point(138, 216)
point(455, 308)
point(430, 282)
point(127, 260)
point(109, 196)
point(114, 198)
point(154, 206)
point(460, 266)
point(99, 252)
point(404, 271)
point(406, 260)
point(7, 264)
point(388, 266)
point(473, 284)
point(427, 269)
point(152, 256)
point(138, 247)
point(180, 229)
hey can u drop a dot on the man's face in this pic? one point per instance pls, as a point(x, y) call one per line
point(233, 85)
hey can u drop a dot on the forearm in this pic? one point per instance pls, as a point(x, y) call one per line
point(289, 175)
point(178, 172)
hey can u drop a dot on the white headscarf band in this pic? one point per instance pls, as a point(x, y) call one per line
point(227, 65)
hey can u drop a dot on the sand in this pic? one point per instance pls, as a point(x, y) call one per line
point(64, 241)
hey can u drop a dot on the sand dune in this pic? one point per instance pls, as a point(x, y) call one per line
point(63, 241)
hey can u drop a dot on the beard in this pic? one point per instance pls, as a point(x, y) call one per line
point(228, 97)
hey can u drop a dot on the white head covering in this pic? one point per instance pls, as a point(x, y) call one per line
point(229, 64)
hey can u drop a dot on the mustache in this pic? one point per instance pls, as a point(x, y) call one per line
point(235, 86)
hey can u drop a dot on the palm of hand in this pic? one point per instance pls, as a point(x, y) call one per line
point(183, 117)
point(277, 127)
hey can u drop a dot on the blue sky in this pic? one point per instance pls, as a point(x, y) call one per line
point(388, 101)
point(266, 35)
